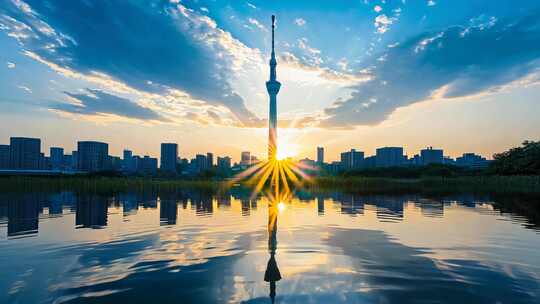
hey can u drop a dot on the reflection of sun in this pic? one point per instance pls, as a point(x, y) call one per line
point(281, 207)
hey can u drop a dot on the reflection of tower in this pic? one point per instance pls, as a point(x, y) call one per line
point(272, 86)
point(272, 273)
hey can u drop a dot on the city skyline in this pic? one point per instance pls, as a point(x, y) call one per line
point(481, 99)
point(24, 153)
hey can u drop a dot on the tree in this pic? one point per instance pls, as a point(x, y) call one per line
point(524, 160)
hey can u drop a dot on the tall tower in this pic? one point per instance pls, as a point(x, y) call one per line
point(272, 86)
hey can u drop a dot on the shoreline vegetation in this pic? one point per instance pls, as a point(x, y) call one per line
point(359, 184)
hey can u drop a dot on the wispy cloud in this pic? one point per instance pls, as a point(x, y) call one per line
point(97, 102)
point(445, 64)
point(10, 65)
point(257, 24)
point(25, 88)
point(300, 21)
point(200, 63)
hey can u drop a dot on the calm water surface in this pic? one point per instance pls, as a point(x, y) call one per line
point(199, 247)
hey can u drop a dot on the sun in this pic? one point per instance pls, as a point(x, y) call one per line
point(286, 149)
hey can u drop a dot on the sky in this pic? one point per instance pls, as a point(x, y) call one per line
point(463, 76)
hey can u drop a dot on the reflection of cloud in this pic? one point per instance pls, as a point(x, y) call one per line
point(483, 60)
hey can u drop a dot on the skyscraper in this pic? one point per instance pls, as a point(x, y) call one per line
point(169, 157)
point(200, 162)
point(209, 160)
point(24, 153)
point(389, 157)
point(224, 163)
point(128, 163)
point(4, 156)
point(245, 158)
point(320, 155)
point(92, 156)
point(352, 160)
point(272, 86)
point(431, 156)
point(57, 158)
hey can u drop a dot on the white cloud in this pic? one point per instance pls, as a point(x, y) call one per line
point(431, 3)
point(10, 65)
point(256, 23)
point(300, 21)
point(204, 9)
point(25, 88)
point(377, 8)
point(383, 22)
point(251, 5)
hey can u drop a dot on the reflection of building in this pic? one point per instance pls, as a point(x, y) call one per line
point(351, 204)
point(272, 273)
point(25, 153)
point(431, 208)
point(92, 156)
point(91, 212)
point(320, 205)
point(23, 216)
point(168, 210)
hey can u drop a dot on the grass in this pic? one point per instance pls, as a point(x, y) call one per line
point(471, 184)
point(100, 184)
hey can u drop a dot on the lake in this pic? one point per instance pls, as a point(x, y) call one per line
point(197, 246)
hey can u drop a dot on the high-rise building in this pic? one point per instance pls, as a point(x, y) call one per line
point(209, 160)
point(245, 158)
point(224, 163)
point(389, 157)
point(200, 162)
point(92, 156)
point(352, 160)
point(431, 156)
point(169, 157)
point(128, 164)
point(320, 155)
point(57, 158)
point(74, 160)
point(149, 165)
point(68, 162)
point(25, 153)
point(472, 160)
point(272, 86)
point(4, 156)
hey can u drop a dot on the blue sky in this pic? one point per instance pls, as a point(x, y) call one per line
point(350, 69)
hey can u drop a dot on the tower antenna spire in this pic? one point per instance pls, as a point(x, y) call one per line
point(272, 86)
point(273, 27)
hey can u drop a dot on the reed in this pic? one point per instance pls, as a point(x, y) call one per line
point(472, 184)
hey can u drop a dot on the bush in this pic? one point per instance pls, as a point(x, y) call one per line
point(524, 160)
